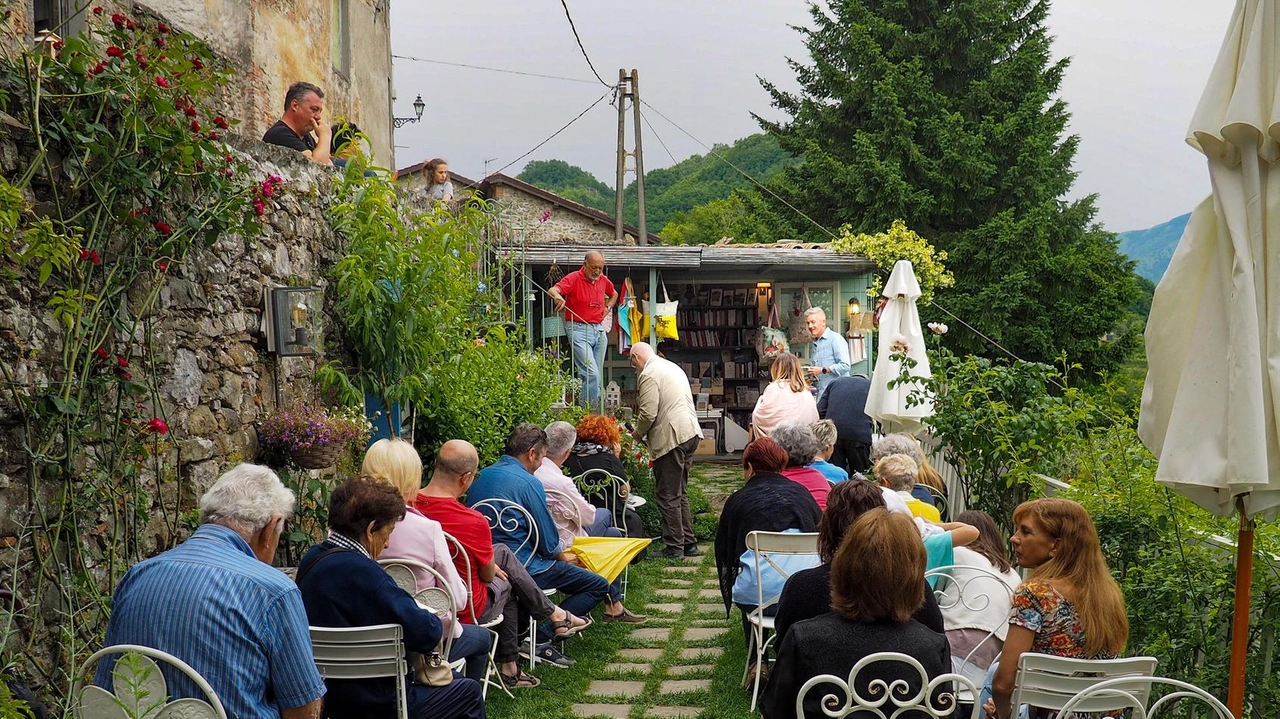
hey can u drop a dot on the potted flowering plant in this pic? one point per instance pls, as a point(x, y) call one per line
point(314, 436)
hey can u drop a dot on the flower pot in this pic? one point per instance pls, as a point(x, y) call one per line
point(317, 456)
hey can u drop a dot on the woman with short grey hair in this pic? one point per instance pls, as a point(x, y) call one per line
point(801, 446)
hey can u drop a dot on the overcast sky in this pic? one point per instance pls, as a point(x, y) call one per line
point(1137, 71)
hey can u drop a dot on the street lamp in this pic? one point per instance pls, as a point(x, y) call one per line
point(418, 107)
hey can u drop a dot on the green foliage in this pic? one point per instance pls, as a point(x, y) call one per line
point(128, 176)
point(900, 243)
point(948, 118)
point(695, 181)
point(12, 707)
point(743, 216)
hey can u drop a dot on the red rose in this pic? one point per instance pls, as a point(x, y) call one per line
point(195, 126)
point(164, 266)
point(221, 122)
point(161, 81)
point(97, 10)
point(98, 69)
point(115, 52)
point(162, 27)
point(214, 135)
point(101, 354)
point(259, 208)
point(189, 111)
point(118, 19)
point(162, 227)
point(160, 42)
point(268, 189)
point(158, 426)
point(129, 24)
point(122, 361)
point(196, 63)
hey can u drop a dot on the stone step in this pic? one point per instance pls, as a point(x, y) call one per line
point(612, 711)
point(615, 688)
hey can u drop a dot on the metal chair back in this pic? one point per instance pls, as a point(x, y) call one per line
point(911, 694)
point(139, 687)
point(1173, 698)
point(1049, 682)
point(371, 652)
point(508, 517)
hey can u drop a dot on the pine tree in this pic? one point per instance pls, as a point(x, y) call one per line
point(944, 113)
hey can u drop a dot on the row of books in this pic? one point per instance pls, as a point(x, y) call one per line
point(718, 296)
point(693, 319)
point(741, 370)
point(715, 338)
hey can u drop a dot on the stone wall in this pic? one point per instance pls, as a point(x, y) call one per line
point(521, 210)
point(209, 354)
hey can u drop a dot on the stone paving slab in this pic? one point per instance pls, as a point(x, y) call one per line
point(612, 688)
point(707, 623)
point(613, 711)
point(709, 594)
point(679, 670)
point(676, 712)
point(694, 634)
point(694, 560)
point(680, 686)
point(665, 608)
point(674, 593)
point(701, 652)
point(710, 608)
point(678, 569)
point(651, 634)
point(676, 582)
point(642, 655)
point(619, 667)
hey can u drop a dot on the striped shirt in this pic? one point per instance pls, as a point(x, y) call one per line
point(237, 621)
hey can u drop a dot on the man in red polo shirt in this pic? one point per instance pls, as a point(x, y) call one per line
point(587, 297)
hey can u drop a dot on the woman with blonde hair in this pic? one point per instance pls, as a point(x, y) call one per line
point(396, 462)
point(1070, 606)
point(786, 399)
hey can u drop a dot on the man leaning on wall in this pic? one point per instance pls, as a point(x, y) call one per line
point(302, 127)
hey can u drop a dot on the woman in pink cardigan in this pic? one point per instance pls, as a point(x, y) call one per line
point(786, 399)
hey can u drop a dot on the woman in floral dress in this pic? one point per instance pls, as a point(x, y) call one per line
point(1069, 607)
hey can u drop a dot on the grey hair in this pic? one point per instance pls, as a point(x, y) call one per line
point(798, 440)
point(824, 430)
point(896, 444)
point(245, 499)
point(898, 471)
point(560, 438)
point(816, 311)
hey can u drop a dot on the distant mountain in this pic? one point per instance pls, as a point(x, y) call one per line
point(1153, 247)
point(694, 181)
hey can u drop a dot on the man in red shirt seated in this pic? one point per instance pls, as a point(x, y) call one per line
point(499, 582)
point(587, 298)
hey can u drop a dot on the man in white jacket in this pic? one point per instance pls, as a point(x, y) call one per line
point(667, 421)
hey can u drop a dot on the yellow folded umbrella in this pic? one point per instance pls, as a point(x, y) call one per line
point(608, 556)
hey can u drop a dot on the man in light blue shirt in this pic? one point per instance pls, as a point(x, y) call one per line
point(829, 355)
point(216, 603)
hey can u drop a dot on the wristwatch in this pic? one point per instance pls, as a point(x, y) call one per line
point(826, 370)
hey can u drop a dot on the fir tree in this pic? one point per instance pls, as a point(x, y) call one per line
point(944, 113)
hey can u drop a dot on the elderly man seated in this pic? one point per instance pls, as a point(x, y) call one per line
point(216, 603)
point(550, 564)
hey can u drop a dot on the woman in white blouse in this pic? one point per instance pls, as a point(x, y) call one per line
point(786, 399)
point(974, 603)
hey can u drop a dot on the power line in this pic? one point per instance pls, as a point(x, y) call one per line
point(557, 132)
point(660, 142)
point(493, 69)
point(580, 46)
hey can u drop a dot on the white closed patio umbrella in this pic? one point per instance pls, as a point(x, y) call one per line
point(899, 326)
point(1213, 337)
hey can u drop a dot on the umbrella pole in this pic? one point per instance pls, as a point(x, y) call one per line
point(1240, 617)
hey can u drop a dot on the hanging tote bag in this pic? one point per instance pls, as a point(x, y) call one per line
point(772, 340)
point(798, 326)
point(665, 316)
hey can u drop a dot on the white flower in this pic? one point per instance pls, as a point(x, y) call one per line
point(937, 328)
point(899, 345)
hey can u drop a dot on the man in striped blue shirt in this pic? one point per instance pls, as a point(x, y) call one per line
point(216, 603)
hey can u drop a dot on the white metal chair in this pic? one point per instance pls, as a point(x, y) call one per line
point(1049, 682)
point(892, 697)
point(1120, 693)
point(438, 599)
point(767, 546)
point(562, 506)
point(508, 516)
point(140, 689)
point(371, 652)
point(461, 559)
point(610, 487)
point(974, 589)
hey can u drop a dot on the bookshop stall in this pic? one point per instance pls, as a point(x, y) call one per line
point(725, 294)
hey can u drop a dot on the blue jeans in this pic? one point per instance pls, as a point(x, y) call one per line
point(473, 645)
point(1023, 713)
point(585, 589)
point(589, 344)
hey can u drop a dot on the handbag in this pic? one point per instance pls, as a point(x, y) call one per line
point(665, 316)
point(798, 327)
point(771, 341)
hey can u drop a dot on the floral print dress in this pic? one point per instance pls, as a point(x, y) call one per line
point(1039, 607)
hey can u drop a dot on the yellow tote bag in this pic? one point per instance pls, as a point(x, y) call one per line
point(608, 556)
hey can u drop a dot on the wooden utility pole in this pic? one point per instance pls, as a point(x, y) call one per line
point(629, 88)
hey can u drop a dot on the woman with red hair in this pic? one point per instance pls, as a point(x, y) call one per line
point(769, 502)
point(599, 446)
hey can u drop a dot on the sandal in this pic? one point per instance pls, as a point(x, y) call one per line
point(520, 680)
point(568, 625)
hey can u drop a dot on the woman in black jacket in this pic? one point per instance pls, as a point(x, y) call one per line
point(599, 442)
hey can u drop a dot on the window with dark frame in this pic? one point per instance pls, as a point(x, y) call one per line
point(340, 37)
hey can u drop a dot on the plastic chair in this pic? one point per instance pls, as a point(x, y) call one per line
point(974, 589)
point(766, 546)
point(371, 652)
point(461, 559)
point(140, 687)
point(1121, 690)
point(1049, 682)
point(507, 515)
point(939, 697)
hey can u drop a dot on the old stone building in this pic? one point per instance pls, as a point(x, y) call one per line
point(344, 46)
point(532, 213)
